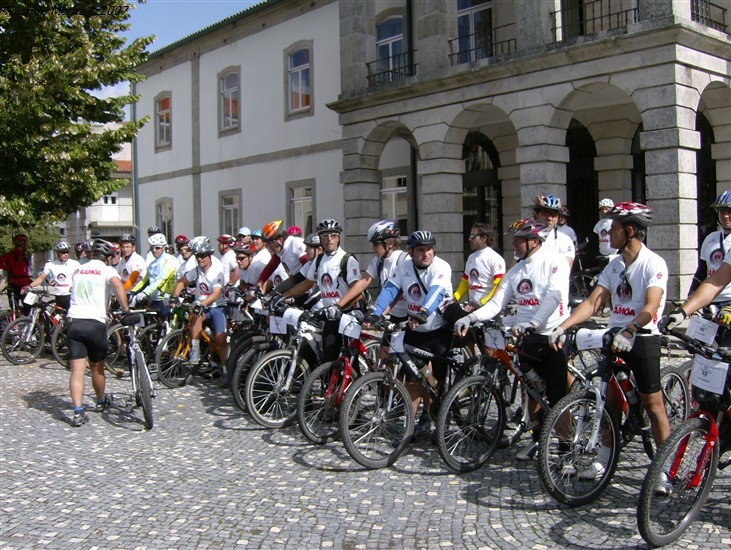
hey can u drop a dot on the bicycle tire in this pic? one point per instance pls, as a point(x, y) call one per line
point(374, 436)
point(318, 406)
point(149, 339)
point(59, 345)
point(20, 342)
point(116, 360)
point(266, 401)
point(562, 461)
point(241, 371)
point(240, 345)
point(470, 424)
point(171, 357)
point(675, 395)
point(144, 388)
point(661, 519)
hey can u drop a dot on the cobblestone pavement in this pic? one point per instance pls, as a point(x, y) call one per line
point(205, 476)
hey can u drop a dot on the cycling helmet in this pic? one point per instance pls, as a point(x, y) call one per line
point(88, 245)
point(626, 212)
point(226, 239)
point(152, 230)
point(181, 240)
point(62, 246)
point(328, 225)
point(385, 229)
point(201, 245)
point(517, 224)
point(421, 238)
point(547, 202)
point(79, 247)
point(532, 228)
point(116, 248)
point(606, 203)
point(294, 231)
point(723, 200)
point(313, 239)
point(256, 233)
point(158, 239)
point(18, 240)
point(127, 238)
point(248, 249)
point(100, 247)
point(565, 212)
point(243, 232)
point(271, 230)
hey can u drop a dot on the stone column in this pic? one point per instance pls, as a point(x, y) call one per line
point(534, 22)
point(435, 24)
point(357, 45)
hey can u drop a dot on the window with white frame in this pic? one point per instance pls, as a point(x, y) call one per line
point(474, 29)
point(110, 199)
point(230, 211)
point(228, 100)
point(394, 200)
point(300, 207)
point(390, 45)
point(163, 121)
point(164, 217)
point(299, 92)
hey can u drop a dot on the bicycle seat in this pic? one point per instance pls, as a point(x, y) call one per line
point(131, 319)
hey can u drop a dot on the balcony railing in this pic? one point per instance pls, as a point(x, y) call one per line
point(391, 69)
point(483, 45)
point(708, 14)
point(590, 18)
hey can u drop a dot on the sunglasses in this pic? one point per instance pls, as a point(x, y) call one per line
point(241, 258)
point(158, 247)
point(199, 256)
point(473, 236)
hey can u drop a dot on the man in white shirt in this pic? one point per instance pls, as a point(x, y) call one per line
point(58, 272)
point(564, 227)
point(546, 209)
point(284, 249)
point(131, 266)
point(603, 227)
point(228, 258)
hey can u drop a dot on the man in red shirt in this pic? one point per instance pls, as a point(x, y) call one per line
point(17, 264)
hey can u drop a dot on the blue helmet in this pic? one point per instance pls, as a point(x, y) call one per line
point(421, 238)
point(723, 200)
point(547, 202)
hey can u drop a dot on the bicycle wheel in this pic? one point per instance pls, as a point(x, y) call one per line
point(241, 371)
point(116, 361)
point(172, 358)
point(144, 388)
point(376, 422)
point(59, 345)
point(675, 395)
point(22, 341)
point(569, 471)
point(267, 400)
point(470, 423)
point(663, 515)
point(318, 403)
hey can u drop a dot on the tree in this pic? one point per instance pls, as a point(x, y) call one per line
point(53, 55)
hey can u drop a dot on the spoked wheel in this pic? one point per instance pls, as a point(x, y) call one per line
point(376, 422)
point(569, 469)
point(59, 345)
point(172, 358)
point(318, 404)
point(22, 341)
point(144, 388)
point(269, 403)
point(674, 489)
point(675, 395)
point(116, 361)
point(470, 423)
point(241, 370)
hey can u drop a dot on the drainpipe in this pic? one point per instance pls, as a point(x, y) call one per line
point(135, 183)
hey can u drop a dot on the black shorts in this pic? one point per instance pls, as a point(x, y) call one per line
point(644, 360)
point(550, 364)
point(87, 337)
point(437, 342)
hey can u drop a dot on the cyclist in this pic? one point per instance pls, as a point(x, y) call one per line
point(546, 209)
point(209, 281)
point(564, 227)
point(152, 230)
point(87, 251)
point(333, 272)
point(294, 231)
point(603, 228)
point(158, 282)
point(243, 236)
point(636, 282)
point(59, 272)
point(248, 269)
point(87, 329)
point(181, 246)
point(114, 260)
point(425, 282)
point(187, 262)
point(284, 249)
point(131, 266)
point(79, 250)
point(17, 264)
point(539, 283)
point(228, 258)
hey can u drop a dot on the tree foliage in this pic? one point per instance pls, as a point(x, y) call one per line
point(53, 55)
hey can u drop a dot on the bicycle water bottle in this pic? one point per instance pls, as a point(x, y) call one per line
point(628, 387)
point(428, 376)
point(535, 380)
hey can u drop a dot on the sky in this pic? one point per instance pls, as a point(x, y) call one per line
point(171, 20)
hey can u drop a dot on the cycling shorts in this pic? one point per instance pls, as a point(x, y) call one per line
point(217, 317)
point(435, 341)
point(87, 337)
point(644, 360)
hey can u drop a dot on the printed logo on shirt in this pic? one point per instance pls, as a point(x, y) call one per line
point(326, 281)
point(604, 233)
point(474, 275)
point(525, 287)
point(716, 256)
point(414, 292)
point(61, 277)
point(624, 290)
point(204, 288)
point(277, 280)
point(125, 273)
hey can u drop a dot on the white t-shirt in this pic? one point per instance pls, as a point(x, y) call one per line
point(480, 270)
point(206, 282)
point(229, 264)
point(714, 249)
point(90, 291)
point(389, 265)
point(59, 274)
point(327, 276)
point(134, 263)
point(569, 232)
point(602, 229)
point(561, 243)
point(292, 251)
point(540, 286)
point(628, 286)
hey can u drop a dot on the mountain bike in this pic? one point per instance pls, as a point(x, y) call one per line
point(681, 475)
point(581, 438)
point(23, 339)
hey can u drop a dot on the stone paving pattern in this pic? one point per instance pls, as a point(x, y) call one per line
point(206, 476)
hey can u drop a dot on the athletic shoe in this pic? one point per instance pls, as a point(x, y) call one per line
point(104, 405)
point(423, 427)
point(663, 487)
point(594, 471)
point(79, 419)
point(195, 356)
point(528, 452)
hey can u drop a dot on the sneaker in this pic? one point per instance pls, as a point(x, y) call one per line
point(152, 369)
point(104, 405)
point(195, 356)
point(79, 419)
point(594, 471)
point(423, 428)
point(529, 452)
point(663, 487)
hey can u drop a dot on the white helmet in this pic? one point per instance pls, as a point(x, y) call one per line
point(606, 203)
point(158, 239)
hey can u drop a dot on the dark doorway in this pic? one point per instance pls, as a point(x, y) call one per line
point(705, 179)
point(582, 196)
point(638, 169)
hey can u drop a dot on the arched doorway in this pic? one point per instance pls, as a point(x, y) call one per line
point(481, 189)
point(582, 195)
point(705, 179)
point(638, 169)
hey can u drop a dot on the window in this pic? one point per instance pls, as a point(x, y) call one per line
point(299, 81)
point(300, 207)
point(163, 121)
point(230, 211)
point(164, 217)
point(228, 100)
point(110, 199)
point(474, 29)
point(394, 201)
point(390, 45)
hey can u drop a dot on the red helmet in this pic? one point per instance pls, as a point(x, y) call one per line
point(531, 229)
point(226, 239)
point(626, 212)
point(294, 231)
point(271, 230)
point(248, 249)
point(78, 247)
point(20, 239)
point(517, 224)
point(181, 240)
